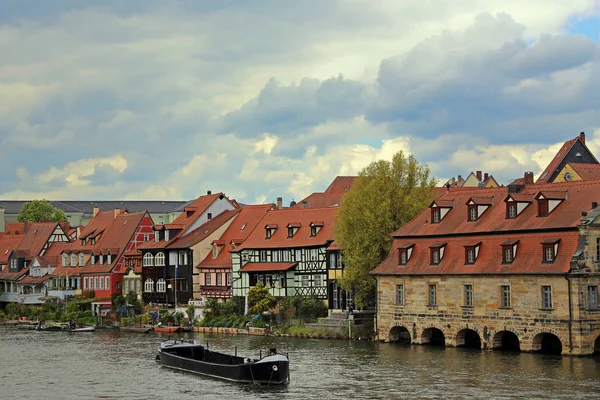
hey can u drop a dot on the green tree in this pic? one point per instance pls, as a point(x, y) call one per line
point(40, 211)
point(260, 300)
point(386, 195)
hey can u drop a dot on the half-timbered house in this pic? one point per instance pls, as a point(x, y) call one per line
point(287, 252)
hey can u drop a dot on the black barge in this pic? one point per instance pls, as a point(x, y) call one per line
point(273, 369)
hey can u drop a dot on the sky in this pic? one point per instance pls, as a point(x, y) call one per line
point(164, 100)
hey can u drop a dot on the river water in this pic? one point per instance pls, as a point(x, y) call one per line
point(113, 365)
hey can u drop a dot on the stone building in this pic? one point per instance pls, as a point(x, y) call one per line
point(514, 267)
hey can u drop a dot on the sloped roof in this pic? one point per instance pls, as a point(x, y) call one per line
point(8, 243)
point(31, 280)
point(302, 238)
point(586, 171)
point(341, 184)
point(567, 215)
point(36, 237)
point(203, 231)
point(243, 225)
point(331, 197)
point(13, 276)
point(258, 267)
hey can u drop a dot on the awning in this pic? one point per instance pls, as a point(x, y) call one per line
point(257, 267)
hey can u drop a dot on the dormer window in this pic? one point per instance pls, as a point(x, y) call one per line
point(292, 229)
point(83, 242)
point(73, 260)
point(436, 253)
point(509, 251)
point(101, 259)
point(65, 260)
point(404, 253)
point(473, 213)
point(270, 230)
point(439, 209)
point(157, 236)
point(471, 252)
point(93, 241)
point(166, 235)
point(92, 259)
point(109, 259)
point(516, 203)
point(548, 201)
point(550, 250)
point(209, 215)
point(315, 227)
point(511, 210)
point(81, 259)
point(477, 206)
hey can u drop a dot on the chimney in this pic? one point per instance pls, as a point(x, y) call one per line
point(95, 211)
point(117, 212)
point(208, 192)
point(528, 178)
point(485, 176)
point(582, 137)
point(304, 204)
point(279, 203)
point(478, 173)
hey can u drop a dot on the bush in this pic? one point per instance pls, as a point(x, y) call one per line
point(166, 318)
point(311, 308)
point(124, 321)
point(179, 318)
point(2, 315)
point(11, 308)
point(48, 316)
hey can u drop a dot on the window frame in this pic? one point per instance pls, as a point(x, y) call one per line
point(543, 208)
point(432, 295)
point(468, 295)
point(507, 254)
point(148, 260)
point(436, 215)
point(546, 292)
point(512, 206)
point(548, 250)
point(400, 294)
point(434, 256)
point(505, 297)
point(473, 213)
point(148, 286)
point(470, 250)
point(592, 306)
point(403, 257)
point(207, 279)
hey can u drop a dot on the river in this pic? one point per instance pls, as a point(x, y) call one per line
point(113, 365)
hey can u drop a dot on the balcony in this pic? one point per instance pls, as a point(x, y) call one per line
point(62, 293)
point(11, 297)
point(215, 291)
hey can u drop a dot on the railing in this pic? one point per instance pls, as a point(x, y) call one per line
point(22, 298)
point(61, 293)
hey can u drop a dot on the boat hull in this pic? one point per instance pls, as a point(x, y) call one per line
point(167, 329)
point(271, 370)
point(135, 329)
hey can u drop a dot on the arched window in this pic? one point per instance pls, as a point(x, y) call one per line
point(161, 285)
point(148, 260)
point(149, 286)
point(73, 260)
point(159, 260)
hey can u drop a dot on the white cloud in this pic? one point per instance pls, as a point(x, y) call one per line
point(74, 173)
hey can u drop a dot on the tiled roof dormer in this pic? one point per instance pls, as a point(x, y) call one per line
point(476, 206)
point(439, 209)
point(404, 253)
point(509, 250)
point(550, 249)
point(472, 252)
point(315, 227)
point(549, 200)
point(293, 228)
point(516, 203)
point(436, 253)
point(270, 230)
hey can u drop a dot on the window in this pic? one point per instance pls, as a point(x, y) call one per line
point(146, 237)
point(432, 295)
point(435, 216)
point(505, 296)
point(92, 259)
point(547, 297)
point(507, 254)
point(592, 295)
point(313, 254)
point(209, 215)
point(101, 259)
point(473, 213)
point(161, 285)
point(305, 280)
point(598, 249)
point(65, 260)
point(275, 256)
point(468, 295)
point(542, 207)
point(83, 242)
point(81, 260)
point(400, 294)
point(269, 233)
point(148, 260)
point(149, 286)
point(95, 283)
point(290, 232)
point(86, 285)
point(159, 260)
point(109, 259)
point(157, 236)
point(219, 279)
point(102, 283)
point(403, 257)
point(167, 235)
point(263, 256)
point(549, 253)
point(435, 256)
point(298, 255)
point(286, 256)
point(138, 286)
point(207, 279)
point(215, 252)
point(511, 211)
point(228, 275)
point(183, 258)
point(313, 230)
point(470, 256)
point(318, 280)
point(73, 260)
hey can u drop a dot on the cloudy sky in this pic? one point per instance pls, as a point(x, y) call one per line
point(149, 99)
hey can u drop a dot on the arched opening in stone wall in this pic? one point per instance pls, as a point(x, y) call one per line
point(434, 337)
point(506, 341)
point(597, 345)
point(468, 338)
point(400, 334)
point(547, 343)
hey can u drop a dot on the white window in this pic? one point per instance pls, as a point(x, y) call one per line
point(547, 297)
point(73, 260)
point(505, 296)
point(275, 256)
point(318, 280)
point(432, 295)
point(107, 282)
point(92, 259)
point(101, 283)
point(219, 279)
point(149, 286)
point(313, 254)
point(229, 279)
point(161, 285)
point(156, 236)
point(305, 281)
point(85, 284)
point(183, 258)
point(207, 279)
point(166, 235)
point(286, 256)
point(148, 260)
point(298, 255)
point(109, 259)
point(95, 283)
point(65, 260)
point(159, 260)
point(101, 259)
point(399, 294)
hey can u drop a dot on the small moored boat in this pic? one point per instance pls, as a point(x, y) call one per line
point(273, 369)
point(136, 329)
point(83, 329)
point(167, 329)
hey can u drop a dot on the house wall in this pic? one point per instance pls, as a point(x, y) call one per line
point(216, 208)
point(567, 169)
point(525, 317)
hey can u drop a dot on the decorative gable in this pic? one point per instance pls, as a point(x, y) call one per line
point(439, 209)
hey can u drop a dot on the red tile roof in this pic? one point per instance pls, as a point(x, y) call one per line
point(586, 171)
point(302, 237)
point(341, 184)
point(30, 280)
point(67, 271)
point(558, 158)
point(7, 244)
point(12, 276)
point(203, 231)
point(493, 230)
point(200, 205)
point(241, 227)
point(36, 237)
point(257, 267)
point(332, 196)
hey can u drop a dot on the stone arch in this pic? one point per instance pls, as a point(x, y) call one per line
point(506, 341)
point(597, 345)
point(400, 334)
point(546, 342)
point(468, 338)
point(433, 336)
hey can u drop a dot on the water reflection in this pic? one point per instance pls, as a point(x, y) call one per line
point(113, 365)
